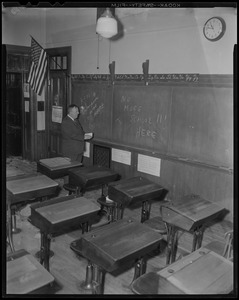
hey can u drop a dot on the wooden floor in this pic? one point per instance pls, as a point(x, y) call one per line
point(69, 270)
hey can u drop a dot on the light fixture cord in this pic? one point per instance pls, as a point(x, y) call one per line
point(98, 46)
point(109, 50)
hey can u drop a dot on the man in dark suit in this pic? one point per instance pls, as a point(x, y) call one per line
point(72, 134)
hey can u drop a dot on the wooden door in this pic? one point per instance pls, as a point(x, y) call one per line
point(58, 96)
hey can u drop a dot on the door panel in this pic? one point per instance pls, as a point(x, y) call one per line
point(14, 114)
point(58, 99)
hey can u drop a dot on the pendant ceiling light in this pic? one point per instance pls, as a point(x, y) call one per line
point(107, 25)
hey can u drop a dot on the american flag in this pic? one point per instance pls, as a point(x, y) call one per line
point(38, 67)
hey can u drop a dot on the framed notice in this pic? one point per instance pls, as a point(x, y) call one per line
point(57, 112)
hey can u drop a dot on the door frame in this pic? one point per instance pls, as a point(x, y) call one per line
point(62, 51)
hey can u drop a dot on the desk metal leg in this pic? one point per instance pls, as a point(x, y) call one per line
point(168, 248)
point(84, 227)
point(139, 268)
point(45, 250)
point(80, 191)
point(14, 221)
point(145, 211)
point(98, 280)
point(197, 238)
point(104, 190)
point(171, 249)
point(119, 212)
point(200, 237)
point(9, 227)
point(174, 245)
point(87, 284)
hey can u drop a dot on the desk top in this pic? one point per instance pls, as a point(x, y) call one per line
point(91, 176)
point(201, 272)
point(25, 274)
point(117, 243)
point(13, 172)
point(132, 190)
point(190, 211)
point(30, 187)
point(58, 163)
point(55, 214)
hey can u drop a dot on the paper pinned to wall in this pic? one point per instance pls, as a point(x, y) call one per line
point(40, 120)
point(121, 156)
point(26, 106)
point(87, 150)
point(26, 90)
point(148, 164)
point(57, 114)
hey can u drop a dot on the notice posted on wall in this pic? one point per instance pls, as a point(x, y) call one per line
point(40, 120)
point(87, 149)
point(26, 106)
point(121, 156)
point(57, 113)
point(26, 90)
point(149, 164)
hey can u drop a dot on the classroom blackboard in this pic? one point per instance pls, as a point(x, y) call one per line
point(96, 102)
point(191, 123)
point(202, 125)
point(141, 116)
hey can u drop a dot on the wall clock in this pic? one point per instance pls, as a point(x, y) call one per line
point(214, 29)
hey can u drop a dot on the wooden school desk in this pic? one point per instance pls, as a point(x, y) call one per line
point(93, 176)
point(201, 272)
point(56, 167)
point(189, 213)
point(27, 188)
point(135, 190)
point(13, 173)
point(57, 215)
point(116, 244)
point(25, 275)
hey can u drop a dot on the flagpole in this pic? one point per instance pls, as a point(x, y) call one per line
point(50, 57)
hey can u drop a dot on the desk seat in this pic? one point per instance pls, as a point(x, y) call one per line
point(116, 244)
point(61, 214)
point(90, 177)
point(25, 275)
point(56, 167)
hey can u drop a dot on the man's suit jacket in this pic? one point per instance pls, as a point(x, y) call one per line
point(72, 135)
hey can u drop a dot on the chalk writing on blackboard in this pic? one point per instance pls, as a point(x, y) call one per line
point(138, 115)
point(91, 107)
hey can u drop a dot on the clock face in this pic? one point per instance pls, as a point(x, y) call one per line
point(214, 28)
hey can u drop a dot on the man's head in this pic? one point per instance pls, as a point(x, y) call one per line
point(73, 111)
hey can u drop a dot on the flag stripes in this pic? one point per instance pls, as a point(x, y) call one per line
point(38, 67)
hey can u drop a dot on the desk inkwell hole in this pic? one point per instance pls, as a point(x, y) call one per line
point(171, 271)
